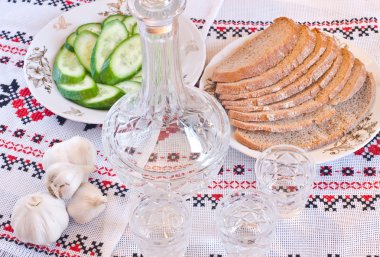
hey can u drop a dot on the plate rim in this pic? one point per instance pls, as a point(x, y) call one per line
point(76, 112)
point(228, 49)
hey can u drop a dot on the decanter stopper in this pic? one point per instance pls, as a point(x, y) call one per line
point(157, 15)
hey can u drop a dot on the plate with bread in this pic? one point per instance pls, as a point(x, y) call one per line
point(290, 84)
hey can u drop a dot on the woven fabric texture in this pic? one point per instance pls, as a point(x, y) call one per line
point(340, 219)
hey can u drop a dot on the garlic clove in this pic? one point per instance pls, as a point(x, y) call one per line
point(63, 179)
point(39, 218)
point(53, 155)
point(87, 203)
point(76, 150)
point(80, 151)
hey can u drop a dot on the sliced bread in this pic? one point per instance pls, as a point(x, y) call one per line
point(304, 121)
point(342, 77)
point(304, 47)
point(312, 75)
point(350, 89)
point(348, 115)
point(303, 96)
point(275, 42)
point(319, 49)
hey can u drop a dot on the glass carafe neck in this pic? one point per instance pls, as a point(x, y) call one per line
point(162, 76)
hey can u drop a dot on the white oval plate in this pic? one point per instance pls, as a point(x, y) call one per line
point(41, 53)
point(348, 144)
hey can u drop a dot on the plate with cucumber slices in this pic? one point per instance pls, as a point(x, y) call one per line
point(83, 61)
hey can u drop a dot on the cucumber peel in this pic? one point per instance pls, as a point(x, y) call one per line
point(106, 97)
point(84, 89)
point(112, 34)
point(124, 62)
point(92, 27)
point(67, 68)
point(69, 44)
point(119, 17)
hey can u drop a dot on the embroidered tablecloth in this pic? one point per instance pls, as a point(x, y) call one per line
point(340, 219)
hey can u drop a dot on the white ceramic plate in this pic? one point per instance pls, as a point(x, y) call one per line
point(41, 53)
point(353, 141)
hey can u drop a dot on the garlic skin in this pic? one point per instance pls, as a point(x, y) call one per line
point(87, 203)
point(63, 179)
point(76, 150)
point(39, 218)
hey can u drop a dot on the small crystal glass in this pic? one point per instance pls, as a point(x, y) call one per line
point(161, 225)
point(286, 174)
point(246, 223)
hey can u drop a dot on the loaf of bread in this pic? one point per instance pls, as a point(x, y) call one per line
point(308, 91)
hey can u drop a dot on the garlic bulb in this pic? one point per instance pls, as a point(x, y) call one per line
point(76, 150)
point(39, 218)
point(87, 203)
point(63, 179)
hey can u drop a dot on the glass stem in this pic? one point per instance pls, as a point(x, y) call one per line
point(162, 76)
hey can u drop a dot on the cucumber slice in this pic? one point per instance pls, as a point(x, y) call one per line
point(84, 89)
point(129, 22)
point(106, 97)
point(119, 17)
point(112, 34)
point(124, 62)
point(136, 30)
point(67, 68)
point(69, 44)
point(83, 46)
point(137, 77)
point(92, 27)
point(129, 86)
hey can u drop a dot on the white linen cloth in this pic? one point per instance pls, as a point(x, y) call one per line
point(341, 218)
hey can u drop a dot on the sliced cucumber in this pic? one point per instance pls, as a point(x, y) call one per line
point(137, 77)
point(83, 46)
point(84, 89)
point(129, 86)
point(129, 22)
point(67, 68)
point(112, 34)
point(136, 29)
point(124, 62)
point(92, 27)
point(106, 97)
point(69, 44)
point(119, 17)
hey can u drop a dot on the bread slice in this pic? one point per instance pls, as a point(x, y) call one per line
point(304, 47)
point(312, 75)
point(341, 78)
point(348, 116)
point(350, 89)
point(260, 53)
point(303, 96)
point(304, 121)
point(319, 49)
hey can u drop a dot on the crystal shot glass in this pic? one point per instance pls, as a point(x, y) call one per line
point(161, 225)
point(286, 174)
point(246, 223)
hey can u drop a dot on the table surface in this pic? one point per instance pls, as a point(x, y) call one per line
point(341, 217)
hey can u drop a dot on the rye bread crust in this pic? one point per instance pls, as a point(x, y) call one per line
point(319, 49)
point(276, 42)
point(303, 48)
point(317, 136)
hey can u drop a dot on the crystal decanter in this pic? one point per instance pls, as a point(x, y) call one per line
point(168, 136)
